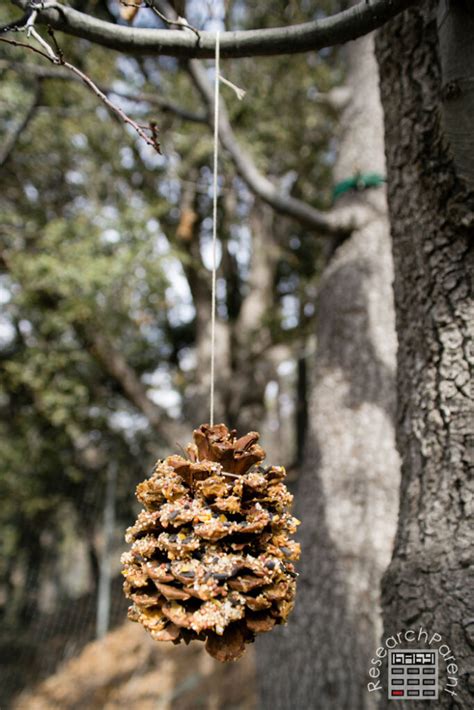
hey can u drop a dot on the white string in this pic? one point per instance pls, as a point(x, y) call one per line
point(214, 227)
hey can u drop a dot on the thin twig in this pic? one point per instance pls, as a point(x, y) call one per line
point(150, 140)
point(57, 58)
point(16, 24)
point(143, 97)
point(179, 22)
point(16, 43)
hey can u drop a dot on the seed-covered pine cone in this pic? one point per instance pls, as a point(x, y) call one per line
point(211, 555)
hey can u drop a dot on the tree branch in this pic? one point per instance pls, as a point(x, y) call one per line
point(133, 389)
point(337, 29)
point(57, 58)
point(117, 367)
point(15, 134)
point(60, 74)
point(327, 223)
point(323, 222)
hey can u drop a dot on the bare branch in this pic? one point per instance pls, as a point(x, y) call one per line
point(25, 45)
point(151, 140)
point(117, 367)
point(326, 223)
point(175, 22)
point(349, 24)
point(16, 24)
point(58, 59)
point(60, 74)
point(15, 134)
point(323, 222)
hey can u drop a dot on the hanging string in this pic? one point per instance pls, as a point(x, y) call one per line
point(214, 227)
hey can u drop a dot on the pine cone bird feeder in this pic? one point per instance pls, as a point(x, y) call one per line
point(212, 555)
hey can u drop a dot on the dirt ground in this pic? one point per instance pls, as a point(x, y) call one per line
point(128, 670)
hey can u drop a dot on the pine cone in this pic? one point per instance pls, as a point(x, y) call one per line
point(211, 557)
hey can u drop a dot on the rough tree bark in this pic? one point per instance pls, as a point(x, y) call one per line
point(430, 581)
point(347, 493)
point(456, 40)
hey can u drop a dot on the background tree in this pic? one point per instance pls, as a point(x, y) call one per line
point(347, 493)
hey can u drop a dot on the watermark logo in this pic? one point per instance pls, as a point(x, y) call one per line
point(414, 672)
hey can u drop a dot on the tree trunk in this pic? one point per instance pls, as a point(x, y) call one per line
point(430, 580)
point(347, 493)
point(456, 44)
point(251, 332)
point(199, 280)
